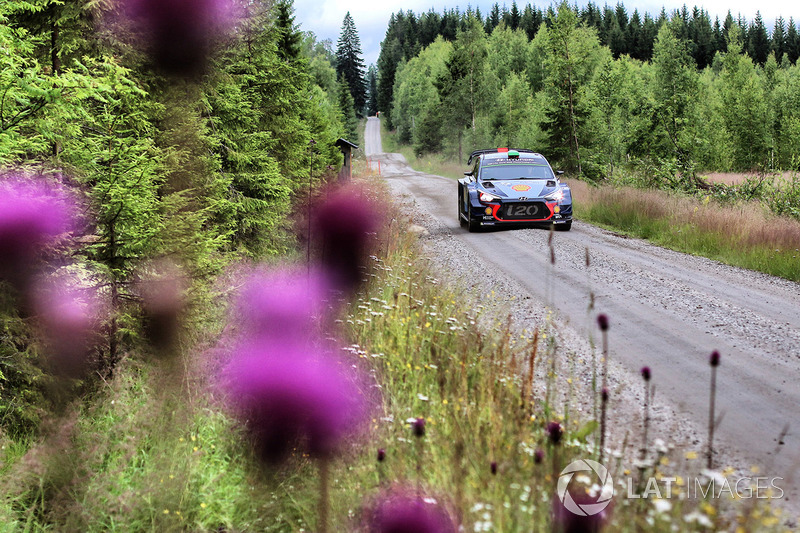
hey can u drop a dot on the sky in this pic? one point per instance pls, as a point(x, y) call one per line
point(371, 17)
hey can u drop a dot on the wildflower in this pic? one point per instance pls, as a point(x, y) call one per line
point(69, 321)
point(178, 34)
point(30, 218)
point(282, 304)
point(344, 227)
point(714, 358)
point(418, 427)
point(493, 467)
point(554, 432)
point(162, 305)
point(567, 521)
point(405, 513)
point(602, 322)
point(538, 456)
point(287, 397)
point(646, 373)
point(604, 394)
point(381, 455)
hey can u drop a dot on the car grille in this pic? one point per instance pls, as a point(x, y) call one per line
point(523, 211)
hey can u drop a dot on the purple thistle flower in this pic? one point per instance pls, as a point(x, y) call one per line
point(567, 521)
point(604, 394)
point(493, 467)
point(69, 323)
point(602, 322)
point(646, 373)
point(283, 304)
point(405, 513)
point(418, 427)
point(30, 218)
point(178, 34)
point(714, 358)
point(344, 228)
point(162, 305)
point(554, 432)
point(287, 398)
point(381, 455)
point(538, 456)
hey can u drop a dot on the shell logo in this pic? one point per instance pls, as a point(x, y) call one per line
point(521, 188)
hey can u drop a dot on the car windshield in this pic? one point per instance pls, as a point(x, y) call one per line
point(515, 171)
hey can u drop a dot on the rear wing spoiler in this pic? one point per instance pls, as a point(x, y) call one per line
point(477, 153)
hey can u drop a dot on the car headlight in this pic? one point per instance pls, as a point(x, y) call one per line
point(486, 197)
point(556, 195)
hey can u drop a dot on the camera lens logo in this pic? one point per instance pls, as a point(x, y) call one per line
point(603, 498)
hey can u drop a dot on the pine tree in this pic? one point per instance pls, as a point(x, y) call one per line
point(778, 44)
point(350, 65)
point(758, 41)
point(288, 35)
point(347, 111)
point(792, 42)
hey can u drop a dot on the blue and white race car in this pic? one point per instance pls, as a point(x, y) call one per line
point(512, 188)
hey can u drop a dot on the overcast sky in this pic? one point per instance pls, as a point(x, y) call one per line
point(372, 16)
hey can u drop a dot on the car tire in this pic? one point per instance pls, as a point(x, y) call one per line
point(563, 227)
point(473, 225)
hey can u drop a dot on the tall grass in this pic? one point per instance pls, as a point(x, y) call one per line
point(743, 235)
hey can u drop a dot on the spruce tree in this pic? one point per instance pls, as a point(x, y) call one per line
point(288, 35)
point(792, 42)
point(758, 45)
point(347, 111)
point(350, 65)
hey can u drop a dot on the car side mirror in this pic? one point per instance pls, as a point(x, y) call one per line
point(468, 173)
point(559, 172)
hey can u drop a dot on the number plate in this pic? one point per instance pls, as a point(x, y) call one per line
point(526, 211)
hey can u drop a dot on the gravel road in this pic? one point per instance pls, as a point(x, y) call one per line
point(667, 310)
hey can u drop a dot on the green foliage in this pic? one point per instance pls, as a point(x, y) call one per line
point(350, 64)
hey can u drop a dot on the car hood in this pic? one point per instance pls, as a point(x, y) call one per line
point(519, 188)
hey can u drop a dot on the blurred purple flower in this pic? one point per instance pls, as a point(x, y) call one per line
point(493, 468)
point(538, 456)
point(162, 304)
point(565, 521)
point(283, 304)
point(344, 226)
point(30, 217)
point(407, 513)
point(646, 373)
point(381, 455)
point(288, 398)
point(69, 322)
point(554, 432)
point(418, 427)
point(602, 321)
point(713, 360)
point(604, 395)
point(178, 34)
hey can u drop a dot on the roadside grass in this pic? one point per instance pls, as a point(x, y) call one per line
point(742, 235)
point(153, 449)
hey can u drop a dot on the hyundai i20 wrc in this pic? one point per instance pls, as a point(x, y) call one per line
point(512, 188)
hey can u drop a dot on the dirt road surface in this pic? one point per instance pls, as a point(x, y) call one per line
point(667, 310)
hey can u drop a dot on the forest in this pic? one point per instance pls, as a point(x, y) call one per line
point(169, 142)
point(597, 90)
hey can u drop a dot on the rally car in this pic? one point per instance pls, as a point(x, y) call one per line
point(512, 188)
